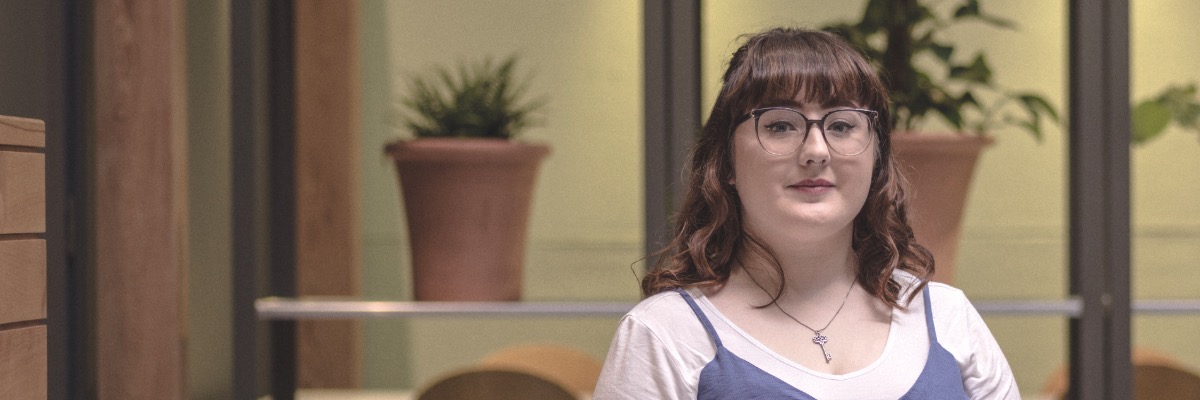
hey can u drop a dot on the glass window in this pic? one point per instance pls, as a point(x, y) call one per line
point(1013, 235)
point(585, 232)
point(1164, 211)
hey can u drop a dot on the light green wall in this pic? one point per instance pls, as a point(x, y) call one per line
point(209, 328)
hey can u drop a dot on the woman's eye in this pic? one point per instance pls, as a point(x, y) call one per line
point(840, 127)
point(780, 127)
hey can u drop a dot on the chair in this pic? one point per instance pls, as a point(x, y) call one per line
point(1156, 376)
point(568, 367)
point(488, 383)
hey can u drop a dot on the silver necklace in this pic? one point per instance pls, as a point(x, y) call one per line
point(818, 338)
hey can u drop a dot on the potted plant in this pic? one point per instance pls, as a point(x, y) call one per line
point(467, 186)
point(895, 33)
point(926, 77)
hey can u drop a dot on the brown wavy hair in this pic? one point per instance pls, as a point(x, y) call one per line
point(783, 64)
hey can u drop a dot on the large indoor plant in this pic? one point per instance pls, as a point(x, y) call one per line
point(906, 40)
point(925, 76)
point(467, 186)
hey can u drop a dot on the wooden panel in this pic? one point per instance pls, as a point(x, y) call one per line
point(23, 364)
point(140, 205)
point(22, 132)
point(22, 192)
point(327, 185)
point(22, 280)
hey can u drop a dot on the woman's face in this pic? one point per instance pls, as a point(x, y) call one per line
point(809, 195)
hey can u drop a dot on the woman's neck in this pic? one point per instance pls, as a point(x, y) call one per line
point(810, 268)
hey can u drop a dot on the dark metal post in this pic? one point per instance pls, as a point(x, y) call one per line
point(245, 45)
point(282, 241)
point(1099, 199)
point(672, 107)
point(263, 212)
point(66, 30)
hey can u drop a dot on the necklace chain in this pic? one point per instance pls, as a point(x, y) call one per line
point(835, 313)
point(820, 339)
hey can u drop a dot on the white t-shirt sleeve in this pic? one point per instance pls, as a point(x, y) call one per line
point(640, 366)
point(986, 373)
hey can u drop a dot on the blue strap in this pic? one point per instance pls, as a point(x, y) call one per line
point(929, 316)
point(712, 333)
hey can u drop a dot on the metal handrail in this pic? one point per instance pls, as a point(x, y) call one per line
point(279, 308)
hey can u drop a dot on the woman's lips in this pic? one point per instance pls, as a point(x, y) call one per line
point(812, 186)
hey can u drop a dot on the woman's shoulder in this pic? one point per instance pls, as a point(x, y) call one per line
point(667, 318)
point(939, 293)
point(951, 310)
point(664, 307)
point(657, 352)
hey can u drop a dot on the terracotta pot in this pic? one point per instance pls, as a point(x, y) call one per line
point(467, 202)
point(939, 170)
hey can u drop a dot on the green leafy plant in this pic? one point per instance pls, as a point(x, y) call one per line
point(1175, 103)
point(924, 75)
point(480, 100)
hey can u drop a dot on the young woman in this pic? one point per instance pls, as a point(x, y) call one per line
point(794, 273)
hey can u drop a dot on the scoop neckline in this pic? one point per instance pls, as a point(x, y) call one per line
point(887, 347)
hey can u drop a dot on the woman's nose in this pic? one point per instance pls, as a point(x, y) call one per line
point(814, 150)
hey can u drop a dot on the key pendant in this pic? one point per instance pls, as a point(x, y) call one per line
point(820, 340)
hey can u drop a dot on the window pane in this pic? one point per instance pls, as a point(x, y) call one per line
point(1164, 185)
point(1013, 239)
point(585, 231)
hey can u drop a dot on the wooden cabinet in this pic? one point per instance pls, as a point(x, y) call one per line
point(22, 259)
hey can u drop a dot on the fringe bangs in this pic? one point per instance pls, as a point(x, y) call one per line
point(784, 72)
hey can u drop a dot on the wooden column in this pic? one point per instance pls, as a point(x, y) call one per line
point(140, 228)
point(328, 245)
point(23, 363)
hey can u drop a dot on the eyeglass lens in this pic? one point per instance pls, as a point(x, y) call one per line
point(783, 131)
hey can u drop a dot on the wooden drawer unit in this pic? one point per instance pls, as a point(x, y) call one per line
point(23, 368)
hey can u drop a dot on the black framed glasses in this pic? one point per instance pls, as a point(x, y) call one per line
point(782, 131)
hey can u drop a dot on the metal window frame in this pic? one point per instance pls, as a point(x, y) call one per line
point(1099, 125)
point(671, 51)
point(262, 100)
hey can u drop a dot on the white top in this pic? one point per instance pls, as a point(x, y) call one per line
point(660, 348)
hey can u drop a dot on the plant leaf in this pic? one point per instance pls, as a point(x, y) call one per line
point(977, 71)
point(1035, 106)
point(482, 99)
point(1181, 102)
point(1150, 119)
point(971, 9)
point(943, 52)
point(968, 98)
